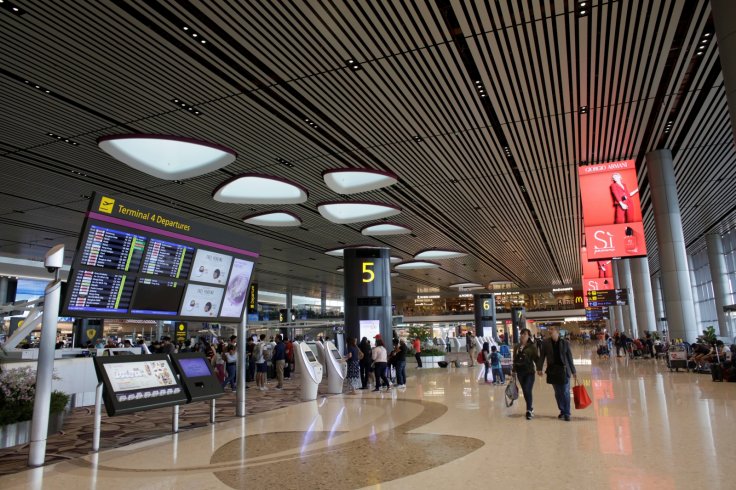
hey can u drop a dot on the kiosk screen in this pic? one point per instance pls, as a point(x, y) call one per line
point(336, 354)
point(310, 356)
point(195, 367)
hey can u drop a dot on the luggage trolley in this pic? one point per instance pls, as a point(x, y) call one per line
point(677, 358)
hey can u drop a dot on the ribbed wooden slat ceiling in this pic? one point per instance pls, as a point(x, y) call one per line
point(114, 67)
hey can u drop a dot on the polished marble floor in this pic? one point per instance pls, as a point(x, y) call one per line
point(646, 429)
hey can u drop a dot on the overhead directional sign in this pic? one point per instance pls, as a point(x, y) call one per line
point(596, 314)
point(610, 297)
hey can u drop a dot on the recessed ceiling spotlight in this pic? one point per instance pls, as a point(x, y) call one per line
point(61, 138)
point(437, 253)
point(353, 65)
point(167, 157)
point(273, 218)
point(11, 7)
point(583, 109)
point(707, 34)
point(260, 189)
point(344, 212)
point(417, 139)
point(186, 28)
point(184, 105)
point(285, 163)
point(356, 180)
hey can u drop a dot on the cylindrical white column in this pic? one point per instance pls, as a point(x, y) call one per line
point(724, 18)
point(629, 311)
point(676, 286)
point(657, 294)
point(645, 317)
point(619, 318)
point(721, 288)
point(696, 298)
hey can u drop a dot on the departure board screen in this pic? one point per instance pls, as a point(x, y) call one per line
point(101, 292)
point(113, 249)
point(168, 259)
point(155, 297)
point(133, 261)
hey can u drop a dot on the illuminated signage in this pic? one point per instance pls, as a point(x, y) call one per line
point(611, 210)
point(368, 274)
point(560, 290)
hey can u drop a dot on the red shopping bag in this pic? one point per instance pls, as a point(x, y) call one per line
point(582, 400)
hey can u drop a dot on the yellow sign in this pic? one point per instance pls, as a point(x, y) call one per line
point(182, 327)
point(91, 333)
point(20, 323)
point(107, 204)
point(366, 270)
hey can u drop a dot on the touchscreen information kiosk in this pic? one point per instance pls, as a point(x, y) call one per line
point(138, 262)
point(135, 383)
point(196, 376)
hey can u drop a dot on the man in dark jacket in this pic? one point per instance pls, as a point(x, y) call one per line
point(560, 366)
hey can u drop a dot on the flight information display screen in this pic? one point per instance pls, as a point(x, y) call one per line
point(135, 262)
point(100, 292)
point(113, 249)
point(168, 259)
point(156, 297)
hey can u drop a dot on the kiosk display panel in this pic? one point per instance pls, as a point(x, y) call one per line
point(197, 377)
point(336, 354)
point(135, 383)
point(136, 262)
point(310, 356)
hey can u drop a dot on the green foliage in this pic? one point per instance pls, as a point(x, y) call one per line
point(423, 333)
point(709, 335)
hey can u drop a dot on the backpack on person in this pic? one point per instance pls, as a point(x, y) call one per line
point(495, 360)
point(267, 354)
point(480, 359)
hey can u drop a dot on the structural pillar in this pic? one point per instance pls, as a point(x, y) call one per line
point(721, 289)
point(676, 284)
point(3, 290)
point(367, 283)
point(617, 316)
point(724, 18)
point(622, 315)
point(696, 298)
point(645, 317)
point(657, 294)
point(323, 303)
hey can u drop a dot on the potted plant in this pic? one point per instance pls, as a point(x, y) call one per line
point(17, 393)
point(432, 357)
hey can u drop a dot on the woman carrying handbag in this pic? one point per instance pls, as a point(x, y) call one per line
point(525, 358)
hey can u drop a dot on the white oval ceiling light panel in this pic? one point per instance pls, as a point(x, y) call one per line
point(436, 253)
point(467, 285)
point(417, 264)
point(385, 229)
point(260, 189)
point(166, 157)
point(356, 180)
point(395, 260)
point(273, 218)
point(340, 251)
point(344, 212)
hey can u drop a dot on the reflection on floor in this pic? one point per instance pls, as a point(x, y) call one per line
point(647, 429)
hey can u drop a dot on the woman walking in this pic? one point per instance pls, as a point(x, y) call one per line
point(487, 360)
point(365, 362)
point(354, 357)
point(526, 357)
point(380, 360)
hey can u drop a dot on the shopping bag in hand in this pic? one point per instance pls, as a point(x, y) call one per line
point(582, 400)
point(512, 391)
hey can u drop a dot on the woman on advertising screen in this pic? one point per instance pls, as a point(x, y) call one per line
point(621, 195)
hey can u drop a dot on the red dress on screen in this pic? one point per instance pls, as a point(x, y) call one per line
point(621, 195)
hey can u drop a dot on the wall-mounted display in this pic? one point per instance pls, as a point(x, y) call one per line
point(137, 262)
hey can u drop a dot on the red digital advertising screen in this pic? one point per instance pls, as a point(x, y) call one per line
point(595, 268)
point(611, 210)
point(595, 284)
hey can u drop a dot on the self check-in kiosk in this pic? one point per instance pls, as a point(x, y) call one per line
point(197, 377)
point(310, 369)
point(336, 367)
point(320, 348)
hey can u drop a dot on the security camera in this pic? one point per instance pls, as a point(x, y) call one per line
point(54, 259)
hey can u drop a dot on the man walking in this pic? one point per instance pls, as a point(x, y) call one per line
point(279, 360)
point(470, 346)
point(417, 350)
point(560, 366)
